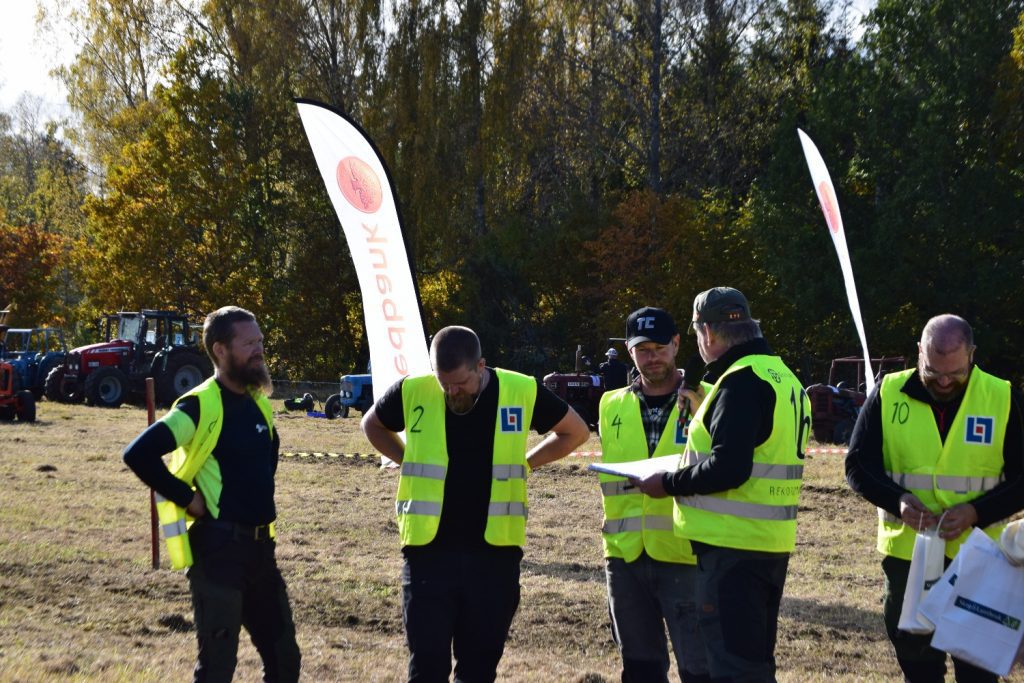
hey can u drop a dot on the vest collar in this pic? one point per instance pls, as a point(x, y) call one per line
point(754, 347)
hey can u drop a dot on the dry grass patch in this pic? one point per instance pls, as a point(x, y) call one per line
point(78, 600)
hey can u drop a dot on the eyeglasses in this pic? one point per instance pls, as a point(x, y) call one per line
point(955, 376)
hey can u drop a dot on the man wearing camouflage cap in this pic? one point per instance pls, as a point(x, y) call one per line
point(739, 487)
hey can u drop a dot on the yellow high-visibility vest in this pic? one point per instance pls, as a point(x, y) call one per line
point(760, 514)
point(941, 474)
point(189, 463)
point(425, 462)
point(634, 522)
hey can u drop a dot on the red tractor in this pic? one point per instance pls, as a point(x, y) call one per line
point(581, 389)
point(14, 401)
point(147, 343)
point(835, 406)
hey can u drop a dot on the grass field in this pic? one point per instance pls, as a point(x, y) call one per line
point(78, 600)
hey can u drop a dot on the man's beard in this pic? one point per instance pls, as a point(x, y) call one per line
point(657, 374)
point(942, 395)
point(462, 403)
point(252, 374)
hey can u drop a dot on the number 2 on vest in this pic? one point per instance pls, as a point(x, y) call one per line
point(419, 416)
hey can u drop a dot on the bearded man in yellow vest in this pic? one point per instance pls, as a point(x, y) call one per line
point(461, 501)
point(739, 487)
point(651, 573)
point(944, 440)
point(225, 454)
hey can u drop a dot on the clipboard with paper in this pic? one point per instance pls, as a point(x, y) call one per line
point(639, 469)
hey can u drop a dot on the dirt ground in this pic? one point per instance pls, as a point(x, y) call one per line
point(79, 601)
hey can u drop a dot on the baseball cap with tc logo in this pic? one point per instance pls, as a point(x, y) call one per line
point(649, 324)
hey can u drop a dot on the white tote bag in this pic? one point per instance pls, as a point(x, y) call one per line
point(984, 621)
point(926, 566)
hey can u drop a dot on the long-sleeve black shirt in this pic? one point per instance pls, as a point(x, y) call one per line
point(740, 417)
point(865, 468)
point(247, 459)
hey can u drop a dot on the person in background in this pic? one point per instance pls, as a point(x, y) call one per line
point(462, 501)
point(614, 373)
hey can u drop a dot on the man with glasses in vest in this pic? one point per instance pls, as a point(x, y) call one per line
point(461, 500)
point(651, 572)
point(942, 441)
point(737, 493)
point(225, 454)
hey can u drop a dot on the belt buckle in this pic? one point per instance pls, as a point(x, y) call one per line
point(261, 533)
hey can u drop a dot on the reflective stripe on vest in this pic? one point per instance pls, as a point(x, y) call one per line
point(760, 514)
point(635, 523)
point(941, 473)
point(425, 463)
point(946, 483)
point(189, 464)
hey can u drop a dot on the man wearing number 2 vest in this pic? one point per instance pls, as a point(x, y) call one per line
point(738, 489)
point(945, 437)
point(461, 501)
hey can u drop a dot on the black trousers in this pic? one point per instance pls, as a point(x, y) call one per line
point(235, 582)
point(919, 661)
point(461, 602)
point(738, 597)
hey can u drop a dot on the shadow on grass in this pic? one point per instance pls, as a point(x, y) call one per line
point(841, 621)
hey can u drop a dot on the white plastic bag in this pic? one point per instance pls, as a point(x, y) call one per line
point(926, 566)
point(984, 622)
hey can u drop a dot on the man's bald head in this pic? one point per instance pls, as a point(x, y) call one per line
point(946, 333)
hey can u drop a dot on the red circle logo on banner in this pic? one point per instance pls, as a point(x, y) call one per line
point(359, 184)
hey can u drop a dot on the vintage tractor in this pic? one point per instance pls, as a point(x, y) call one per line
point(356, 391)
point(147, 343)
point(15, 402)
point(581, 389)
point(835, 406)
point(33, 352)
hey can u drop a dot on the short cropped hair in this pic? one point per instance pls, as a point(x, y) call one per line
point(734, 333)
point(454, 347)
point(945, 333)
point(219, 326)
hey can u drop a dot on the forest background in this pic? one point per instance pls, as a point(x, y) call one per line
point(558, 163)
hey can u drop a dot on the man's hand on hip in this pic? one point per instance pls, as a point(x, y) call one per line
point(197, 508)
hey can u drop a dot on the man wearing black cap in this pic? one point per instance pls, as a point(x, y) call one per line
point(651, 572)
point(739, 487)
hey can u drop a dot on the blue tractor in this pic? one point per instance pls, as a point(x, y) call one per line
point(33, 353)
point(356, 392)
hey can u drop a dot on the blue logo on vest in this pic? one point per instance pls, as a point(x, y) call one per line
point(682, 432)
point(511, 418)
point(979, 430)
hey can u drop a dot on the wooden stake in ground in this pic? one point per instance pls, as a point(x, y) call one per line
point(153, 525)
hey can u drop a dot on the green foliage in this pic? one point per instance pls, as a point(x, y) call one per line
point(557, 165)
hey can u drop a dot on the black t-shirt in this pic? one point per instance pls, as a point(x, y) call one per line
point(470, 441)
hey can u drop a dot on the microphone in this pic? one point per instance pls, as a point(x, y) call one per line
point(692, 373)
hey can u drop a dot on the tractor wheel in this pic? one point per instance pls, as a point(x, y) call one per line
point(332, 409)
point(45, 368)
point(185, 371)
point(59, 391)
point(25, 406)
point(106, 387)
point(6, 413)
